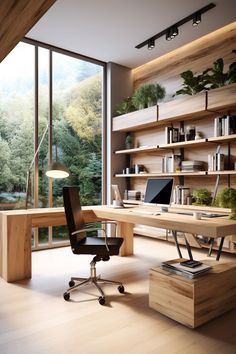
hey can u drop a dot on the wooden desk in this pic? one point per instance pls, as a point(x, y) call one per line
point(16, 225)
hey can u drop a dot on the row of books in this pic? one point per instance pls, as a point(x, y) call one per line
point(171, 135)
point(216, 162)
point(224, 125)
point(176, 267)
point(181, 195)
point(171, 163)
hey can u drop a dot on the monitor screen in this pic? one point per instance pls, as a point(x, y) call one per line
point(158, 191)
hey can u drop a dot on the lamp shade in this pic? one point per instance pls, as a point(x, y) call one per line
point(57, 170)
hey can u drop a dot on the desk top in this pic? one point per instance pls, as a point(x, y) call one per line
point(212, 227)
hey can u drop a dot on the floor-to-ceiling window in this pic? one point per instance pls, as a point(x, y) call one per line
point(48, 92)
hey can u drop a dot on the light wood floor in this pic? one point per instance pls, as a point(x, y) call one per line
point(34, 318)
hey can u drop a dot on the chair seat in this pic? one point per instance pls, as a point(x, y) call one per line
point(96, 245)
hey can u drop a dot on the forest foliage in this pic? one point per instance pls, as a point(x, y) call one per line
point(77, 135)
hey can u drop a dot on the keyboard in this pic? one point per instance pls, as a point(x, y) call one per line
point(145, 212)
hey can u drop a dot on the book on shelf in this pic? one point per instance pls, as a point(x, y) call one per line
point(216, 162)
point(176, 267)
point(171, 135)
point(180, 195)
point(170, 163)
point(224, 125)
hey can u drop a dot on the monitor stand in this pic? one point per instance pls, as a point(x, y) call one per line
point(164, 209)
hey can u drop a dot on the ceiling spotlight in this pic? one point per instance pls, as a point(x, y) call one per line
point(175, 31)
point(151, 43)
point(197, 19)
point(168, 35)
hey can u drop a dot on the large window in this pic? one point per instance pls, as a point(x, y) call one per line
point(39, 87)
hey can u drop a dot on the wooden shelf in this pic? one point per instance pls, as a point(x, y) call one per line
point(174, 174)
point(223, 139)
point(183, 144)
point(226, 172)
point(221, 98)
point(136, 150)
point(191, 143)
point(140, 119)
point(183, 108)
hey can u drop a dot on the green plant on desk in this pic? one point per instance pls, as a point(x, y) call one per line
point(201, 197)
point(227, 199)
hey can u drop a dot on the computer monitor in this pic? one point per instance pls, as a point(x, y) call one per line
point(158, 192)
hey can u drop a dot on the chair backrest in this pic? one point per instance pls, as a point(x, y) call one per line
point(74, 214)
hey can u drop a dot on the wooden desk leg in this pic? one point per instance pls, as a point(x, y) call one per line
point(16, 247)
point(125, 230)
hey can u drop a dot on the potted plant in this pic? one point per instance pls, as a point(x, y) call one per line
point(192, 83)
point(129, 142)
point(227, 199)
point(148, 95)
point(210, 78)
point(216, 77)
point(201, 197)
point(126, 106)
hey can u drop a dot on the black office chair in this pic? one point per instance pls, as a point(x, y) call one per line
point(101, 247)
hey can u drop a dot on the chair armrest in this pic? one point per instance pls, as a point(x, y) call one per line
point(93, 229)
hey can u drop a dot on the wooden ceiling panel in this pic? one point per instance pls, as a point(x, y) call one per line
point(17, 17)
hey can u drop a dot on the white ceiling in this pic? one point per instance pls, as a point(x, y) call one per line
point(109, 30)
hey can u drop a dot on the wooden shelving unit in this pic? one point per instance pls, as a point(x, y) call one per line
point(147, 128)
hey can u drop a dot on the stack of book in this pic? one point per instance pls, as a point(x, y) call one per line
point(192, 166)
point(133, 195)
point(224, 125)
point(174, 266)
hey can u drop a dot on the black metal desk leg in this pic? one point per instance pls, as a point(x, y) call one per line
point(188, 249)
point(174, 233)
point(211, 246)
point(220, 248)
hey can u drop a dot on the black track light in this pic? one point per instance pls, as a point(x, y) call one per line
point(151, 43)
point(173, 31)
point(197, 19)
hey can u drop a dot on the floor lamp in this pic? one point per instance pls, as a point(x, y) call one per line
point(54, 170)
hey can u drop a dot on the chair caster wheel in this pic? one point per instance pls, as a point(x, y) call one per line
point(71, 283)
point(121, 289)
point(66, 296)
point(101, 300)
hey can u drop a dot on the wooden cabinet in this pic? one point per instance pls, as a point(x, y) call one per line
point(150, 145)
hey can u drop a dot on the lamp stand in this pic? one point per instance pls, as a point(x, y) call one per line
point(29, 170)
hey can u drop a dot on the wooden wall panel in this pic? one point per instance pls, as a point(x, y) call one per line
point(17, 18)
point(196, 56)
